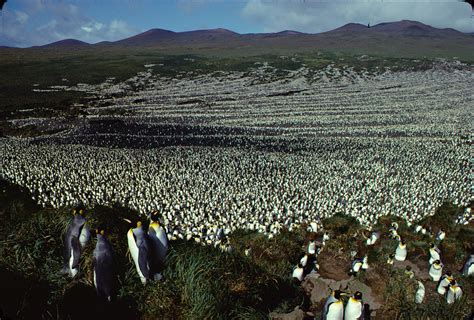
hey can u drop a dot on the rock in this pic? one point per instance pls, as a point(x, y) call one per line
point(297, 314)
point(319, 288)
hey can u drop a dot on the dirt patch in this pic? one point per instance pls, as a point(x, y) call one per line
point(332, 266)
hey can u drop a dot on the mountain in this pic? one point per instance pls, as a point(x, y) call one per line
point(414, 28)
point(66, 43)
point(398, 39)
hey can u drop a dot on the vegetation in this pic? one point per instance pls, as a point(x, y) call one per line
point(200, 282)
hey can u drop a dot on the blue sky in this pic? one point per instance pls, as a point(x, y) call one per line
point(35, 22)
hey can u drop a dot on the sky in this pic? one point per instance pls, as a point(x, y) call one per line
point(25, 23)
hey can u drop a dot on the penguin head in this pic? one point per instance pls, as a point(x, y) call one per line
point(432, 246)
point(452, 283)
point(337, 294)
point(155, 216)
point(437, 262)
point(358, 295)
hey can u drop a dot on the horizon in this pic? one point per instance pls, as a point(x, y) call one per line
point(25, 23)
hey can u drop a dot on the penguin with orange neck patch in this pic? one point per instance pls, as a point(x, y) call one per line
point(139, 246)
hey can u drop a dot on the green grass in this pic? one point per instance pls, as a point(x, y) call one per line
point(200, 282)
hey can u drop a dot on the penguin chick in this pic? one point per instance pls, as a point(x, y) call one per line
point(436, 270)
point(354, 307)
point(105, 271)
point(72, 244)
point(420, 293)
point(333, 308)
point(158, 247)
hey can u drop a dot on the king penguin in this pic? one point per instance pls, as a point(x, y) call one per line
point(444, 282)
point(468, 268)
point(158, 246)
point(436, 270)
point(138, 244)
point(356, 265)
point(453, 293)
point(434, 253)
point(354, 307)
point(401, 252)
point(73, 245)
point(298, 272)
point(334, 307)
point(105, 270)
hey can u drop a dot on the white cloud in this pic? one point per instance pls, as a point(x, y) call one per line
point(319, 16)
point(65, 21)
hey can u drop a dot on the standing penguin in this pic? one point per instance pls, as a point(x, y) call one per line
point(454, 292)
point(420, 293)
point(76, 232)
point(158, 247)
point(138, 244)
point(435, 254)
point(444, 282)
point(468, 268)
point(401, 252)
point(298, 272)
point(312, 247)
point(354, 307)
point(105, 270)
point(374, 236)
point(356, 265)
point(333, 308)
point(436, 270)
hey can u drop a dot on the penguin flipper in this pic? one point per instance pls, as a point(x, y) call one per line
point(76, 248)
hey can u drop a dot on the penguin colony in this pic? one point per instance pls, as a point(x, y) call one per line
point(334, 308)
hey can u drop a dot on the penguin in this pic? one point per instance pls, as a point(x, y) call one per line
point(311, 265)
point(325, 238)
point(374, 236)
point(298, 272)
point(435, 254)
point(365, 262)
point(468, 268)
point(440, 235)
point(72, 243)
point(454, 292)
point(333, 308)
point(436, 270)
point(420, 293)
point(356, 266)
point(304, 260)
point(390, 258)
point(248, 251)
point(85, 235)
point(401, 252)
point(158, 247)
point(354, 307)
point(409, 272)
point(138, 244)
point(444, 282)
point(105, 270)
point(312, 247)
